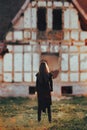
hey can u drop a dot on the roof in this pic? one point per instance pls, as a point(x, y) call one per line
point(8, 9)
point(81, 6)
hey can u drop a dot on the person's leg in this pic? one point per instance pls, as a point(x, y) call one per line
point(39, 113)
point(49, 113)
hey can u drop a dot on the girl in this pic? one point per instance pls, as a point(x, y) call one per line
point(44, 86)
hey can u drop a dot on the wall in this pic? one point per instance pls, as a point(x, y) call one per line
point(25, 55)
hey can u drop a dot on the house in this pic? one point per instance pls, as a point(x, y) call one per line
point(50, 30)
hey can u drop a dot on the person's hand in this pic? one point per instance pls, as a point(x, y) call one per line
point(35, 93)
point(52, 93)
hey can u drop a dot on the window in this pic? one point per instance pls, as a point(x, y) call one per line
point(66, 90)
point(41, 19)
point(57, 19)
point(20, 65)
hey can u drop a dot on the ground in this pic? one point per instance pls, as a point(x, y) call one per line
point(21, 114)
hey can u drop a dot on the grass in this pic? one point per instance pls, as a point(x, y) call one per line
point(21, 114)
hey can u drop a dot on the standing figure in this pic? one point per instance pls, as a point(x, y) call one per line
point(44, 86)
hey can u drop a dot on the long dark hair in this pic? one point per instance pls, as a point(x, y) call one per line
point(43, 72)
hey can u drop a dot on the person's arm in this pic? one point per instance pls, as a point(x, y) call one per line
point(51, 82)
point(36, 83)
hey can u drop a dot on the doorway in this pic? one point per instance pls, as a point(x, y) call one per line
point(51, 59)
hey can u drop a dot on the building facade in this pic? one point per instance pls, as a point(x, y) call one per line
point(45, 30)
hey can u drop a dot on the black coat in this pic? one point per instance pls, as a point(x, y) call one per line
point(44, 91)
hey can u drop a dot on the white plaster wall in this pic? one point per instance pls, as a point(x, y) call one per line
point(17, 77)
point(36, 60)
point(83, 48)
point(20, 23)
point(83, 35)
point(57, 4)
point(27, 77)
point(71, 20)
point(67, 19)
point(71, 26)
point(41, 3)
point(54, 48)
point(27, 62)
point(83, 62)
point(83, 77)
point(64, 77)
point(66, 4)
point(74, 19)
point(44, 48)
point(74, 49)
point(49, 18)
point(9, 36)
point(79, 90)
point(7, 77)
point(34, 18)
point(64, 62)
point(27, 35)
point(74, 35)
point(56, 91)
point(79, 43)
point(34, 35)
point(74, 77)
point(74, 63)
point(33, 3)
point(27, 18)
point(18, 62)
point(18, 35)
point(64, 48)
point(66, 35)
point(49, 3)
point(14, 90)
point(7, 63)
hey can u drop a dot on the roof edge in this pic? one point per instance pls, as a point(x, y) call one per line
point(20, 11)
point(82, 12)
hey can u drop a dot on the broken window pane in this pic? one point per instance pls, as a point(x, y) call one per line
point(64, 63)
point(83, 62)
point(27, 48)
point(34, 77)
point(18, 35)
point(27, 77)
point(49, 15)
point(41, 19)
point(33, 17)
point(64, 77)
point(66, 18)
point(7, 62)
point(7, 77)
point(27, 62)
point(18, 77)
point(74, 63)
point(10, 48)
point(57, 19)
point(74, 77)
point(18, 48)
point(83, 77)
point(36, 59)
point(18, 62)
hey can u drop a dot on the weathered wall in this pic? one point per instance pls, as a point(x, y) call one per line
point(21, 64)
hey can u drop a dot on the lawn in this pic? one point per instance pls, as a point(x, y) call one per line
point(21, 114)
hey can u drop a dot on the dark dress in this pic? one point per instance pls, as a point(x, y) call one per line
point(44, 88)
point(43, 91)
